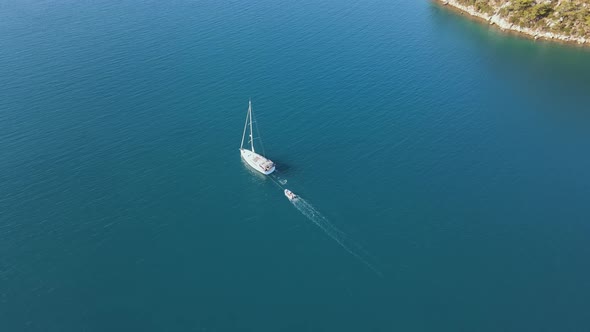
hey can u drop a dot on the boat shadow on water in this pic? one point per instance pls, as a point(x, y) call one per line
point(281, 167)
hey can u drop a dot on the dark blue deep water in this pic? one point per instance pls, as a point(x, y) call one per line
point(458, 157)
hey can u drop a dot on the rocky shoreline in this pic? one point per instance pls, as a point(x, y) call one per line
point(503, 23)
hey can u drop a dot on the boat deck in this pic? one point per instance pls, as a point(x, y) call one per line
point(255, 158)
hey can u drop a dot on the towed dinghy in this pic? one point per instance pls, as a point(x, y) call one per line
point(290, 195)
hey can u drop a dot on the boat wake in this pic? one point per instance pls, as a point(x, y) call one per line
point(311, 213)
point(337, 235)
point(278, 180)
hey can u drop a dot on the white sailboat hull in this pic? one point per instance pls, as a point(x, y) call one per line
point(257, 162)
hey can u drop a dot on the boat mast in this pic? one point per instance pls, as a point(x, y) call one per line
point(250, 112)
point(245, 126)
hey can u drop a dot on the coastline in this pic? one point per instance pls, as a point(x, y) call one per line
point(505, 26)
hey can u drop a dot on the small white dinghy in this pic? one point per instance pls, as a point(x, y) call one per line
point(290, 195)
point(255, 160)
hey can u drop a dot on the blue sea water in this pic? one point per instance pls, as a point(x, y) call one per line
point(456, 156)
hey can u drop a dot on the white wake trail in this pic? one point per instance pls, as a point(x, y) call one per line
point(325, 225)
point(337, 235)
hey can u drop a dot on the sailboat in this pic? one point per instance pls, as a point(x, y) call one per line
point(255, 160)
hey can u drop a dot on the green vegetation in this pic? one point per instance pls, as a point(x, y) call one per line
point(481, 5)
point(570, 17)
point(528, 13)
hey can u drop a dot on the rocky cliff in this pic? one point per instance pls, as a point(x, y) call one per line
point(563, 20)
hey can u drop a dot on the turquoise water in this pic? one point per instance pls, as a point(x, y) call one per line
point(453, 158)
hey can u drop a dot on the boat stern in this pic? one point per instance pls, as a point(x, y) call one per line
point(258, 162)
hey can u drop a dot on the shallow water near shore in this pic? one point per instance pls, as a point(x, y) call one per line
point(454, 155)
